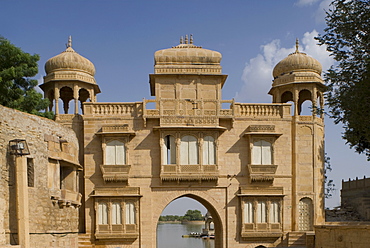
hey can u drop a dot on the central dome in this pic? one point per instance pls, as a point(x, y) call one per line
point(187, 58)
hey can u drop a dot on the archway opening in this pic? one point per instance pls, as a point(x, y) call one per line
point(305, 103)
point(66, 94)
point(287, 97)
point(174, 229)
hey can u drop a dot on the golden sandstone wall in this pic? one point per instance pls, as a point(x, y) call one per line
point(53, 200)
point(342, 235)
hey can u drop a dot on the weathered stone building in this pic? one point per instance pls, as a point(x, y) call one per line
point(348, 226)
point(257, 168)
point(51, 182)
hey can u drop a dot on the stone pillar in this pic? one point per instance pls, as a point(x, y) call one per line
point(314, 102)
point(56, 99)
point(22, 201)
point(296, 101)
point(75, 96)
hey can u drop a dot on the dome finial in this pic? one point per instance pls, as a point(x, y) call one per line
point(181, 39)
point(186, 39)
point(296, 45)
point(191, 39)
point(69, 44)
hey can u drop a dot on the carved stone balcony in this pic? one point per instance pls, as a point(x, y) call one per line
point(115, 173)
point(261, 173)
point(189, 173)
point(118, 231)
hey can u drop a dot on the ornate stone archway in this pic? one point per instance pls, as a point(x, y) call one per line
point(207, 200)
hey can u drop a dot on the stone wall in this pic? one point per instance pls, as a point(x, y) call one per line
point(53, 209)
point(356, 194)
point(342, 235)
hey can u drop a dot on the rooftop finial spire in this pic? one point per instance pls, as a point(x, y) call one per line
point(191, 39)
point(296, 45)
point(181, 40)
point(186, 39)
point(69, 44)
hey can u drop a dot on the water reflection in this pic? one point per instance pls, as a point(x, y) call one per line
point(170, 235)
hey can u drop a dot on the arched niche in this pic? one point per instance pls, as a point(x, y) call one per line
point(304, 95)
point(287, 96)
point(83, 95)
point(66, 94)
point(51, 95)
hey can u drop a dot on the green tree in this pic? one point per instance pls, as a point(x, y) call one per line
point(17, 90)
point(193, 215)
point(347, 39)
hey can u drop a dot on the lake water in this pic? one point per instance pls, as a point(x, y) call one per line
point(170, 235)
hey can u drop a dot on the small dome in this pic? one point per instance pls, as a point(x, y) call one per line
point(69, 60)
point(297, 62)
point(187, 53)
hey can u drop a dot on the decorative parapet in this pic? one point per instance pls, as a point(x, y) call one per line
point(131, 109)
point(274, 110)
point(115, 173)
point(188, 112)
point(189, 173)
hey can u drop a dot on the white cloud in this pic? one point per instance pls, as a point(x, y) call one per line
point(40, 81)
point(306, 2)
point(320, 12)
point(257, 74)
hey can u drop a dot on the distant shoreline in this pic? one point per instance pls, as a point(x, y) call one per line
point(194, 222)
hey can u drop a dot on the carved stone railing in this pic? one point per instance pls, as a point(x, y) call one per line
point(189, 172)
point(113, 109)
point(115, 173)
point(187, 107)
point(188, 112)
point(117, 231)
point(274, 110)
point(262, 173)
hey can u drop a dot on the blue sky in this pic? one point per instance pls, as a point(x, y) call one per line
point(120, 38)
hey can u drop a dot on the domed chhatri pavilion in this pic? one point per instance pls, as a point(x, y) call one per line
point(257, 168)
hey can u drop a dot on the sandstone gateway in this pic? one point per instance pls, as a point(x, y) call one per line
point(257, 168)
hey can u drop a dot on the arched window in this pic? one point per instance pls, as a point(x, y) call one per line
point(262, 152)
point(209, 153)
point(169, 151)
point(115, 153)
point(189, 150)
point(130, 213)
point(116, 213)
point(102, 213)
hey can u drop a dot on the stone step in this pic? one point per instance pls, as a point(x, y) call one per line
point(84, 241)
point(296, 239)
